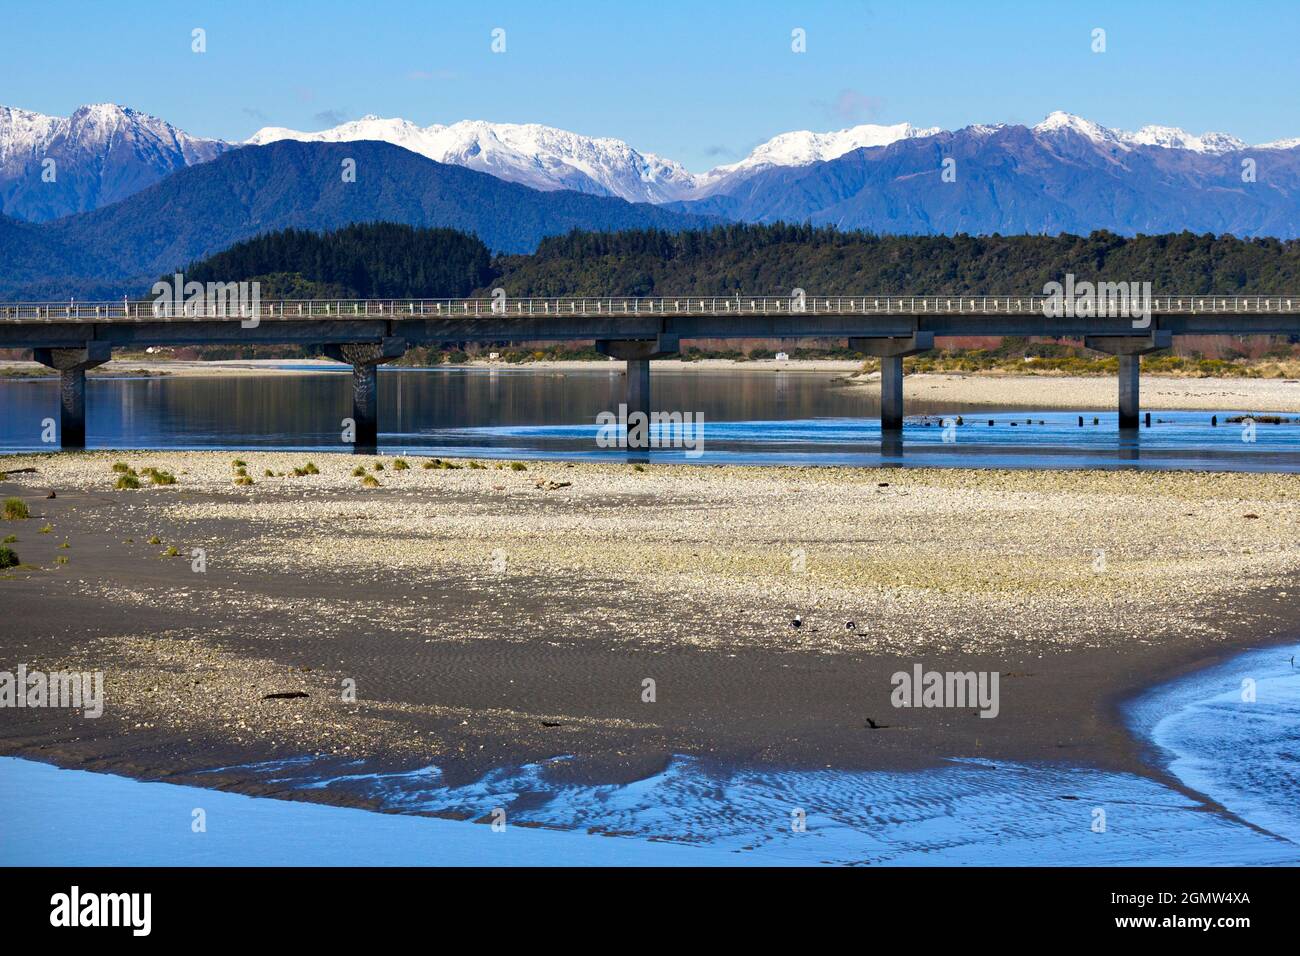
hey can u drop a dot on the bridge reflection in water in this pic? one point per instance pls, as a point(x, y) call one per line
point(751, 416)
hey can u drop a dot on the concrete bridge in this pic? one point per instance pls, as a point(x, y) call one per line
point(75, 336)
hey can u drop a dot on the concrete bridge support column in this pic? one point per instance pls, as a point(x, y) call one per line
point(638, 354)
point(72, 364)
point(365, 359)
point(1129, 349)
point(891, 352)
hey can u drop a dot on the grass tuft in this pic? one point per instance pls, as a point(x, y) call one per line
point(127, 481)
point(15, 509)
point(9, 558)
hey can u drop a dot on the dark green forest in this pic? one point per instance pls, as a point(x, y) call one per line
point(389, 260)
point(771, 260)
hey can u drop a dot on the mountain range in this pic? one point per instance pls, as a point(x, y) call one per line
point(546, 158)
point(121, 248)
point(1013, 180)
point(106, 152)
point(131, 196)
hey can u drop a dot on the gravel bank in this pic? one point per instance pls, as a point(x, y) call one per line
point(1101, 392)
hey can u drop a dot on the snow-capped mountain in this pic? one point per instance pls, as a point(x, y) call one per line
point(1167, 137)
point(803, 147)
point(538, 156)
point(24, 133)
point(547, 158)
point(101, 153)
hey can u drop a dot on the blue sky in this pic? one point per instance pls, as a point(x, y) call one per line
point(698, 82)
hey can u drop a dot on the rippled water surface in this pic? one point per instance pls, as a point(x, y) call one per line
point(1233, 733)
point(1238, 754)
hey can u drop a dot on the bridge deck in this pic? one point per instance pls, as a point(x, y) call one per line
point(561, 307)
point(435, 321)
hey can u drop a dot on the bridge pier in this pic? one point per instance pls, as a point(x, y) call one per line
point(891, 352)
point(72, 364)
point(365, 359)
point(638, 354)
point(1129, 349)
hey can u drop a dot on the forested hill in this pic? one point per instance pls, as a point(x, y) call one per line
point(370, 260)
point(772, 260)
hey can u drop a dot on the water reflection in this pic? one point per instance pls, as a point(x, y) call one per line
point(891, 447)
point(1129, 444)
point(786, 417)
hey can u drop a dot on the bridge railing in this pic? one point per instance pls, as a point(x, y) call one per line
point(219, 308)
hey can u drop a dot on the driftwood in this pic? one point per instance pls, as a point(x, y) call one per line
point(17, 471)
